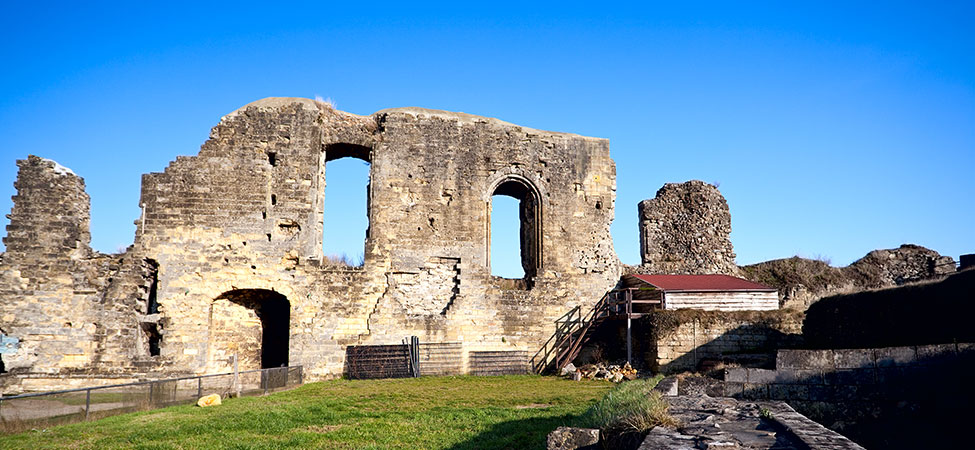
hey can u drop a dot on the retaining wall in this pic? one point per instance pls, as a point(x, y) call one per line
point(892, 397)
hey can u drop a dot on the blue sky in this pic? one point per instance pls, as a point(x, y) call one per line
point(832, 128)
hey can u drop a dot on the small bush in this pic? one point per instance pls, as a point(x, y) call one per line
point(631, 407)
point(343, 260)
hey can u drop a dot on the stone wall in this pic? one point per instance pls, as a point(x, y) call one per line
point(891, 397)
point(245, 215)
point(679, 340)
point(72, 309)
point(937, 312)
point(685, 230)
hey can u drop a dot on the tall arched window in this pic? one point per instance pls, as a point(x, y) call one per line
point(528, 235)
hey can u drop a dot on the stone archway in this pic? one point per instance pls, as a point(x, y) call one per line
point(252, 323)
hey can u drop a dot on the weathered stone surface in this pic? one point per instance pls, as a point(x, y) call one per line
point(678, 340)
point(245, 215)
point(71, 308)
point(667, 386)
point(571, 438)
point(720, 423)
point(685, 230)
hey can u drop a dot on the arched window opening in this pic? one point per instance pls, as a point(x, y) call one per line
point(345, 222)
point(506, 238)
point(253, 324)
point(515, 233)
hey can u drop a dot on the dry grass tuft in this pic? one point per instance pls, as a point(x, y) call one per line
point(630, 407)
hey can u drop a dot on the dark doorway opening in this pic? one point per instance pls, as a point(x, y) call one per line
point(153, 337)
point(274, 312)
point(152, 300)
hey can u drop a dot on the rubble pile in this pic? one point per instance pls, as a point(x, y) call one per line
point(613, 372)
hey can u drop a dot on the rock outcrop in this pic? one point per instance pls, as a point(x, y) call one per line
point(803, 281)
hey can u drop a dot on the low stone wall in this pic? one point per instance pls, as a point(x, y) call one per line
point(927, 313)
point(709, 422)
point(839, 375)
point(674, 341)
point(893, 397)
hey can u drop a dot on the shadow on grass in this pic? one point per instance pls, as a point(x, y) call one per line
point(517, 434)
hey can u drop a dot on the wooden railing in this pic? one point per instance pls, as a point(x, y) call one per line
point(565, 326)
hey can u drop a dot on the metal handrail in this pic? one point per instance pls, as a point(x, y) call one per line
point(615, 303)
point(139, 383)
point(292, 376)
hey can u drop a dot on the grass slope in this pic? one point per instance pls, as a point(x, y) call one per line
point(431, 412)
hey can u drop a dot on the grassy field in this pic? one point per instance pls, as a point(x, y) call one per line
point(429, 413)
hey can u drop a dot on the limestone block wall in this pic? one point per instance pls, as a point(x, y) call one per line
point(679, 340)
point(227, 258)
point(238, 227)
point(71, 308)
point(887, 397)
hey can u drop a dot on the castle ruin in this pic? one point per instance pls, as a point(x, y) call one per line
point(227, 262)
point(227, 257)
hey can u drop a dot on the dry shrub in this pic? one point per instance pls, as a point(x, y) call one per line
point(630, 407)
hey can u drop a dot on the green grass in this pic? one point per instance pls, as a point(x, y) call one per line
point(431, 412)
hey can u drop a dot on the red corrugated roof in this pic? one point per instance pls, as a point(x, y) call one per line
point(701, 283)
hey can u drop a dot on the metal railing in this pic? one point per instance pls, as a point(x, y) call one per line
point(44, 409)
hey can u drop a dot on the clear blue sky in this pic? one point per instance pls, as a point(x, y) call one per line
point(832, 129)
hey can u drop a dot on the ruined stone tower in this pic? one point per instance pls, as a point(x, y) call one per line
point(685, 230)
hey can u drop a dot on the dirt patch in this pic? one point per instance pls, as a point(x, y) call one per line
point(323, 428)
point(533, 406)
point(152, 417)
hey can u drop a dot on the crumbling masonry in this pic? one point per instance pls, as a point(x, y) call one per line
point(228, 257)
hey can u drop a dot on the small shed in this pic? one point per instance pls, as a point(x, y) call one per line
point(707, 292)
